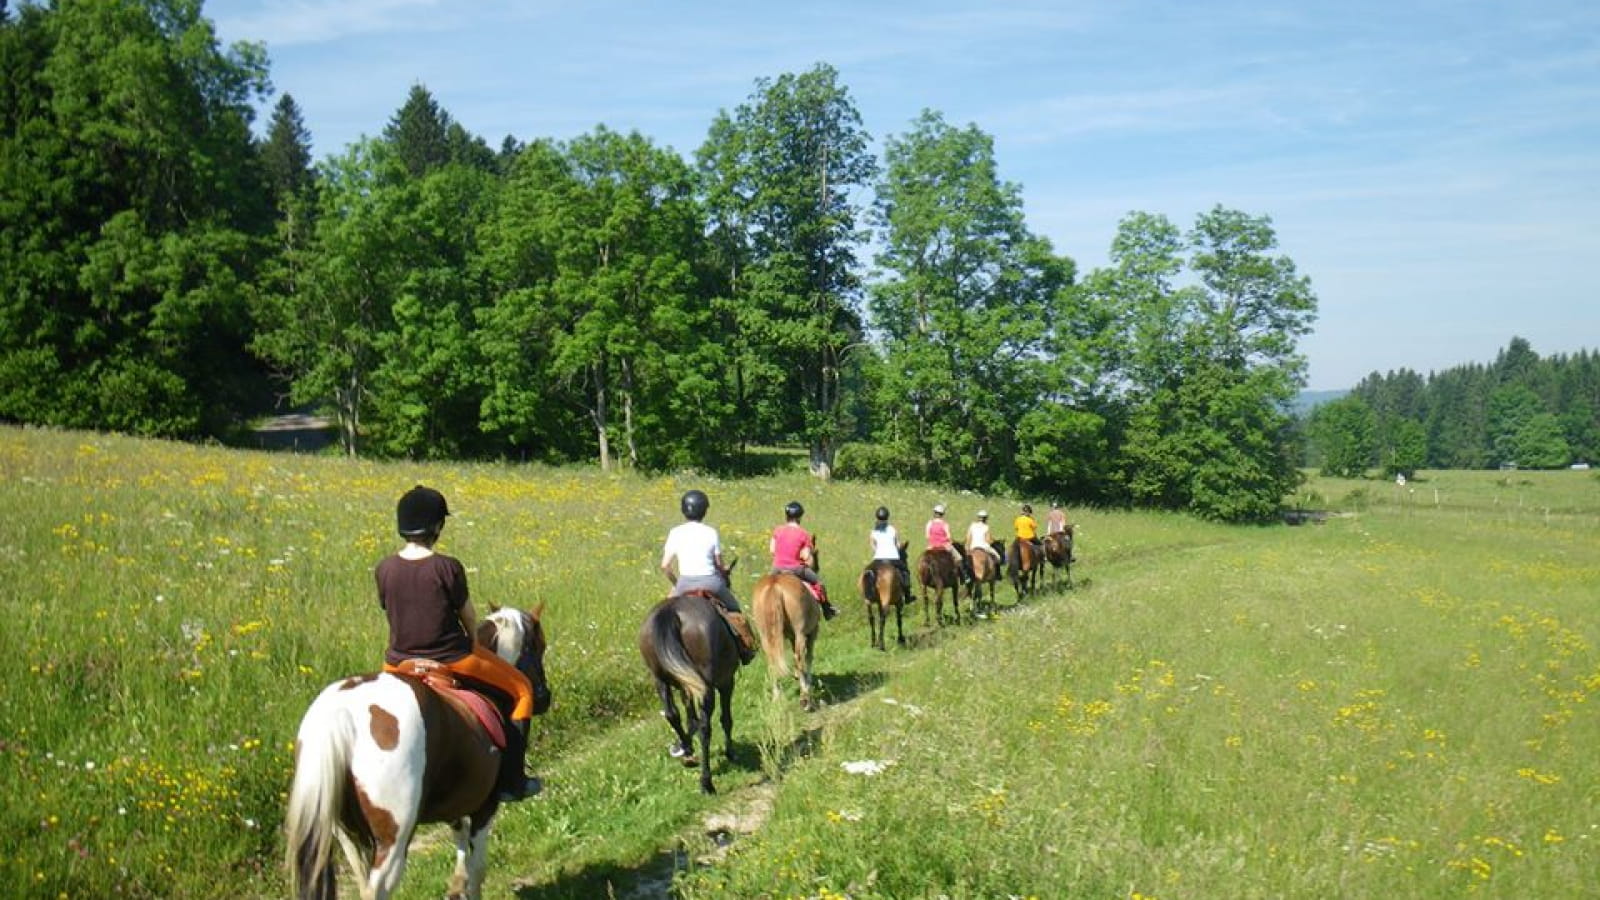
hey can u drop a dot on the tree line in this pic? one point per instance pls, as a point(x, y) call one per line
point(164, 272)
point(1522, 411)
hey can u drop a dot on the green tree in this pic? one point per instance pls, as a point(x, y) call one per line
point(966, 309)
point(1539, 443)
point(286, 154)
point(427, 387)
point(325, 335)
point(1407, 448)
point(133, 205)
point(1343, 432)
point(420, 133)
point(1213, 365)
point(780, 172)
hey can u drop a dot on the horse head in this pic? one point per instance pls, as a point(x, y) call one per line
point(518, 638)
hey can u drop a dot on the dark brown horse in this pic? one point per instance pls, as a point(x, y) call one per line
point(1058, 550)
point(937, 569)
point(785, 610)
point(883, 586)
point(1023, 564)
point(985, 571)
point(692, 654)
point(378, 754)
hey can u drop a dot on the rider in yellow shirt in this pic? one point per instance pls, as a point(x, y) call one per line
point(1026, 529)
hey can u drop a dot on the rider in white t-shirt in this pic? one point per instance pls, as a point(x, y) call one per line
point(886, 547)
point(696, 549)
point(978, 537)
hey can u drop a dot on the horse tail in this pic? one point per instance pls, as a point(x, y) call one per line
point(322, 759)
point(667, 635)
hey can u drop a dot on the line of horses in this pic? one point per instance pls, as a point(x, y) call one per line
point(377, 755)
point(885, 588)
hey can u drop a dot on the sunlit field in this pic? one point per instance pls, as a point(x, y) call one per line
point(1398, 701)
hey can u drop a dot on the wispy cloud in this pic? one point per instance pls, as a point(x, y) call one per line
point(319, 21)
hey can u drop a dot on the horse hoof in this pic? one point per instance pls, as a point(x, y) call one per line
point(677, 751)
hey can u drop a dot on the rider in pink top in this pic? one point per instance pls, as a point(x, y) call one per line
point(794, 551)
point(938, 533)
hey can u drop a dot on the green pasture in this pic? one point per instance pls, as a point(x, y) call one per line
point(1394, 699)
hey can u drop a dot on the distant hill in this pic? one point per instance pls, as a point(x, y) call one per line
point(1309, 400)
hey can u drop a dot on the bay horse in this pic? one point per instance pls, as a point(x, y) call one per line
point(1058, 550)
point(786, 610)
point(985, 571)
point(883, 586)
point(378, 754)
point(937, 569)
point(691, 653)
point(1023, 564)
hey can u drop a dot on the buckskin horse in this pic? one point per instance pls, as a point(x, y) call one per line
point(985, 571)
point(691, 652)
point(1023, 564)
point(883, 586)
point(937, 569)
point(378, 754)
point(785, 610)
point(1058, 550)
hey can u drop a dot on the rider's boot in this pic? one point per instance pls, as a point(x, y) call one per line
point(828, 611)
point(515, 784)
point(747, 640)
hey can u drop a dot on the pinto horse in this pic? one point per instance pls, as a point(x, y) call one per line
point(883, 586)
point(378, 754)
point(1023, 564)
point(937, 569)
point(985, 571)
point(692, 653)
point(1058, 550)
point(785, 609)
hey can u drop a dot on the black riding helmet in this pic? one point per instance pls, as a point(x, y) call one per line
point(1027, 509)
point(883, 514)
point(694, 505)
point(421, 510)
point(793, 509)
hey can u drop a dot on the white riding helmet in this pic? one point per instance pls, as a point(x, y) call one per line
point(983, 514)
point(938, 509)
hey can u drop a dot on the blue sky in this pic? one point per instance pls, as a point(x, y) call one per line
point(1433, 167)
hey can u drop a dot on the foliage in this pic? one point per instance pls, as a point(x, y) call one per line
point(967, 308)
point(133, 200)
point(1342, 431)
point(1210, 367)
point(780, 172)
point(603, 299)
point(1480, 416)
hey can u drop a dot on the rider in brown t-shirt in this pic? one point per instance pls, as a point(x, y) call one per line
point(424, 595)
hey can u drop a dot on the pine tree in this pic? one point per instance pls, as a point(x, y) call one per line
point(286, 155)
point(420, 133)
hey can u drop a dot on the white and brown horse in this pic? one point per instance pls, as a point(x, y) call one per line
point(379, 754)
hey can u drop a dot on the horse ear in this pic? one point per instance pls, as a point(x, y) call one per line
point(538, 611)
point(493, 607)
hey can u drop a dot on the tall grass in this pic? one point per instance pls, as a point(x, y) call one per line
point(1395, 702)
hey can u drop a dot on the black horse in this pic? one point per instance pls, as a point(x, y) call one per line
point(691, 652)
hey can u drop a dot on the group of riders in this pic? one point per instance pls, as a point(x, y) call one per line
point(424, 593)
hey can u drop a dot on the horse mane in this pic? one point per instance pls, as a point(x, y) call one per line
point(511, 629)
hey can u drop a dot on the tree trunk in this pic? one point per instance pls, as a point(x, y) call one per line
point(598, 414)
point(627, 413)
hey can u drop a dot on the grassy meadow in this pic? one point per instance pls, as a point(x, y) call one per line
point(1398, 701)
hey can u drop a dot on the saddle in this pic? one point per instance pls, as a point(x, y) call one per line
point(814, 588)
point(455, 692)
point(735, 622)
